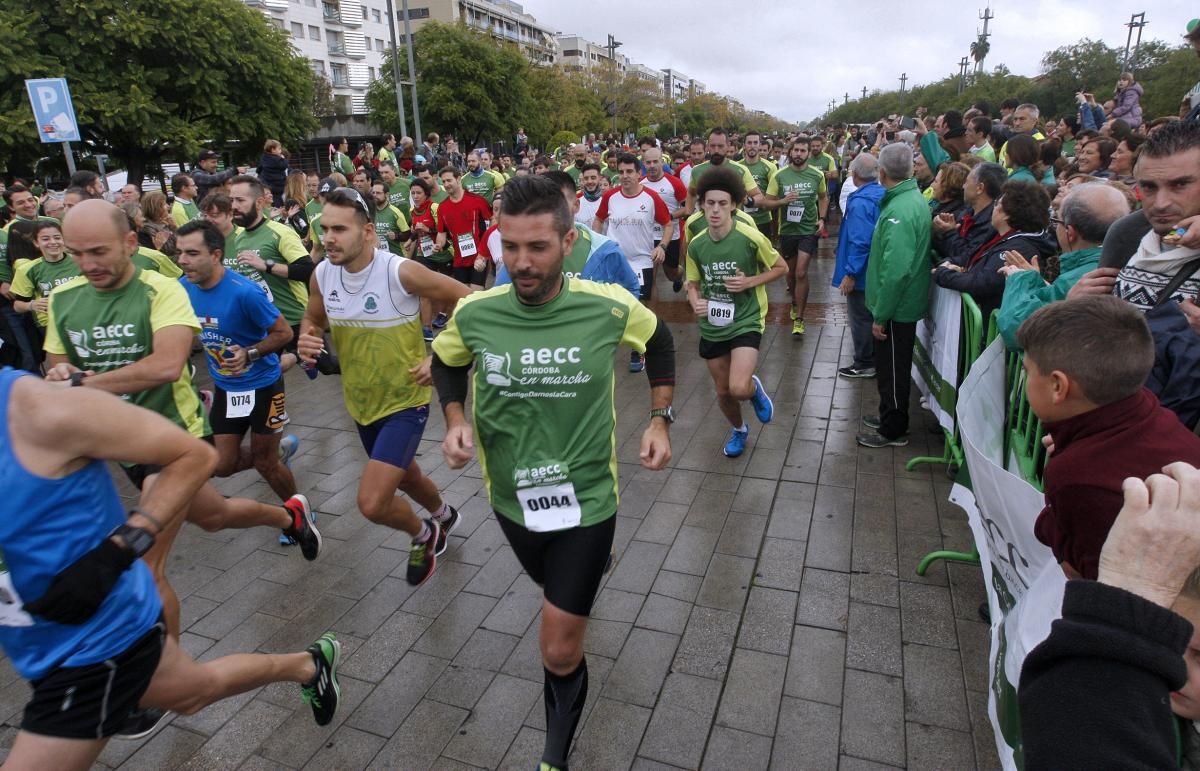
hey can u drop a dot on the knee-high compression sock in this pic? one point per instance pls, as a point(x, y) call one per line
point(564, 696)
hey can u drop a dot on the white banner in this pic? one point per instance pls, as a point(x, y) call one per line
point(935, 354)
point(1024, 582)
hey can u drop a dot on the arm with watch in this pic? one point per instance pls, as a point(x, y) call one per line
point(279, 335)
point(56, 433)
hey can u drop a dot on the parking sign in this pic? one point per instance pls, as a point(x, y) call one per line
point(52, 109)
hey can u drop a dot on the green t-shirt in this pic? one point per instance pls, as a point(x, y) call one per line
point(183, 212)
point(152, 259)
point(484, 185)
point(440, 195)
point(762, 170)
point(614, 178)
point(542, 402)
point(798, 218)
point(343, 164)
point(273, 241)
point(575, 173)
point(388, 221)
point(709, 262)
point(823, 161)
point(398, 195)
point(103, 331)
point(37, 278)
point(1068, 150)
point(312, 209)
point(573, 263)
point(39, 218)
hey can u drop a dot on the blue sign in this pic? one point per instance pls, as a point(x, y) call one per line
point(52, 109)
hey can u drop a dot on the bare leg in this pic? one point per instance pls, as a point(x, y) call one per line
point(801, 283)
point(33, 752)
point(378, 501)
point(731, 406)
point(742, 362)
point(232, 457)
point(264, 452)
point(212, 511)
point(156, 559)
point(561, 639)
point(420, 488)
point(791, 278)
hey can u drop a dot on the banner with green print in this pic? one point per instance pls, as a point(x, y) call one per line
point(936, 355)
point(1024, 582)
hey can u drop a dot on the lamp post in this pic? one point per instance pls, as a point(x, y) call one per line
point(613, 45)
point(391, 11)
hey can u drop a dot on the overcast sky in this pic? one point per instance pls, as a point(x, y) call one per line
point(790, 58)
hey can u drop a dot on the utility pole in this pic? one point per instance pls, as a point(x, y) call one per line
point(962, 74)
point(846, 96)
point(1137, 20)
point(391, 11)
point(613, 45)
point(412, 74)
point(864, 92)
point(903, 80)
point(987, 16)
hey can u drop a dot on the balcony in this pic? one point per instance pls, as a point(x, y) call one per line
point(331, 13)
point(337, 49)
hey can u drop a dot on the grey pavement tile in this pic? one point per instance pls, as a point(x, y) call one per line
point(679, 586)
point(692, 549)
point(933, 687)
point(516, 609)
point(230, 582)
point(816, 665)
point(850, 763)
point(167, 747)
point(967, 589)
point(781, 564)
point(641, 668)
point(483, 544)
point(706, 643)
point(728, 748)
point(486, 650)
point(484, 737)
point(873, 717)
point(606, 638)
point(754, 496)
point(791, 514)
point(347, 749)
point(807, 737)
point(233, 611)
point(526, 658)
point(376, 607)
point(681, 486)
point(236, 740)
point(193, 609)
point(610, 737)
point(297, 739)
point(455, 626)
point(939, 749)
point(421, 738)
point(804, 459)
point(643, 764)
point(750, 701)
point(873, 639)
point(829, 537)
point(767, 621)
point(376, 657)
point(927, 615)
point(299, 633)
point(916, 507)
point(974, 645)
point(726, 582)
point(662, 522)
point(432, 597)
point(681, 721)
point(710, 510)
point(742, 534)
point(367, 573)
point(723, 482)
point(259, 763)
point(462, 686)
point(824, 599)
point(495, 577)
point(616, 605)
point(911, 549)
point(664, 614)
point(388, 705)
point(875, 588)
point(982, 733)
point(525, 750)
point(637, 566)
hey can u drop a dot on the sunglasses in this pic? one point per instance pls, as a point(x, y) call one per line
point(356, 196)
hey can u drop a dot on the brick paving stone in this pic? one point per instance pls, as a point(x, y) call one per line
point(933, 687)
point(927, 615)
point(664, 614)
point(693, 549)
point(815, 667)
point(742, 535)
point(781, 564)
point(348, 749)
point(824, 599)
point(419, 740)
point(938, 749)
point(237, 739)
point(807, 737)
point(873, 639)
point(494, 723)
point(728, 748)
point(767, 622)
point(706, 643)
point(386, 707)
point(681, 721)
point(610, 737)
point(677, 585)
point(637, 567)
point(872, 717)
point(641, 668)
point(753, 688)
point(726, 582)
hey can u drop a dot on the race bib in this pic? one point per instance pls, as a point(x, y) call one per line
point(720, 314)
point(795, 212)
point(262, 282)
point(382, 236)
point(239, 404)
point(466, 245)
point(426, 246)
point(11, 613)
point(657, 230)
point(547, 497)
point(750, 209)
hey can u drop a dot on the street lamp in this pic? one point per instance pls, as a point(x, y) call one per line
point(613, 45)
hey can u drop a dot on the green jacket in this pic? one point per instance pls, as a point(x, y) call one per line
point(898, 267)
point(935, 154)
point(1025, 292)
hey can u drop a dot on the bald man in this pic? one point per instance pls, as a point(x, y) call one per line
point(129, 332)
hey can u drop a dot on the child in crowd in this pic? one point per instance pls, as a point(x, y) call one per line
point(1087, 360)
point(273, 170)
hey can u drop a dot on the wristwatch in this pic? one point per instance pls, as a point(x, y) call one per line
point(252, 355)
point(137, 541)
point(270, 265)
point(666, 413)
point(77, 379)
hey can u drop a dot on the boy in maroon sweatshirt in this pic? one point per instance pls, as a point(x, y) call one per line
point(1087, 360)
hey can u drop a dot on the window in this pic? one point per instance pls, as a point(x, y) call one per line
point(297, 30)
point(371, 73)
point(338, 73)
point(314, 32)
point(375, 17)
point(415, 13)
point(364, 10)
point(311, 3)
point(572, 52)
point(378, 44)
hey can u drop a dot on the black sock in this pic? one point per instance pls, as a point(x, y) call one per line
point(565, 696)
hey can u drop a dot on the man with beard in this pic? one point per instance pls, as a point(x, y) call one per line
point(391, 225)
point(397, 187)
point(719, 154)
point(578, 157)
point(479, 179)
point(271, 255)
point(590, 194)
point(544, 412)
point(370, 300)
point(800, 190)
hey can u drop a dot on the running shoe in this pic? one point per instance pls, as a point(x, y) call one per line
point(446, 528)
point(736, 444)
point(206, 398)
point(872, 422)
point(141, 723)
point(792, 313)
point(304, 527)
point(798, 328)
point(544, 766)
point(439, 321)
point(637, 362)
point(287, 449)
point(877, 440)
point(422, 559)
point(323, 692)
point(856, 371)
point(427, 332)
point(764, 408)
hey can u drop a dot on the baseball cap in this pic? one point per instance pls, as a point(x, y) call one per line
point(208, 155)
point(1193, 29)
point(328, 185)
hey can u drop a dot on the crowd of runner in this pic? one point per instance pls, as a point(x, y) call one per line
point(509, 283)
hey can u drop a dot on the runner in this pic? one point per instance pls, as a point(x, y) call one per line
point(479, 179)
point(397, 187)
point(695, 158)
point(33, 281)
point(729, 265)
point(800, 190)
point(391, 224)
point(638, 220)
point(674, 196)
point(271, 255)
point(544, 412)
point(462, 219)
point(184, 209)
point(339, 158)
point(128, 331)
point(81, 621)
point(242, 333)
point(720, 153)
point(368, 298)
point(589, 195)
point(762, 169)
point(422, 247)
point(426, 172)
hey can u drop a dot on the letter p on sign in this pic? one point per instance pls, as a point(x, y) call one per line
point(53, 111)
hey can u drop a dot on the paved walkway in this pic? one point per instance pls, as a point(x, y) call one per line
point(763, 612)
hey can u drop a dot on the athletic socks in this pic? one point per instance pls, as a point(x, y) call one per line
point(425, 533)
point(565, 696)
point(742, 429)
point(443, 513)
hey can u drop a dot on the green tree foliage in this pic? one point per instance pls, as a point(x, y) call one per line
point(153, 81)
point(469, 84)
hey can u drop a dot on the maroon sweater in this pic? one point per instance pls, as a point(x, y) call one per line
point(1093, 454)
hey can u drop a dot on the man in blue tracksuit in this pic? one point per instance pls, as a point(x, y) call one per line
point(850, 270)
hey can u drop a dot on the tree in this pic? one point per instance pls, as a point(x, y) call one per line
point(323, 102)
point(469, 84)
point(153, 80)
point(979, 51)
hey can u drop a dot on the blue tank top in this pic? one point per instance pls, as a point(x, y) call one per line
point(45, 525)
